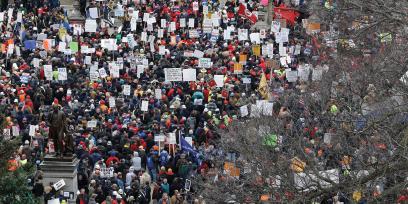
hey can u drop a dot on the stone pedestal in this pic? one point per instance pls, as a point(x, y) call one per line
point(55, 169)
point(72, 9)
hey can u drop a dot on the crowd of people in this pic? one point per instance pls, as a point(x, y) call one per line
point(139, 127)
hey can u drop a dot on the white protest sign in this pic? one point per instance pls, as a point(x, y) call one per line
point(160, 33)
point(191, 22)
point(172, 26)
point(163, 23)
point(198, 54)
point(303, 73)
point(107, 172)
point(275, 26)
point(317, 74)
point(182, 22)
point(48, 72)
point(102, 73)
point(327, 138)
point(158, 94)
point(242, 34)
point(93, 12)
point(88, 60)
point(54, 201)
point(244, 110)
point(140, 69)
point(246, 80)
point(114, 71)
point(173, 74)
point(162, 50)
point(6, 134)
point(112, 101)
point(16, 130)
point(59, 184)
point(93, 73)
point(219, 80)
point(291, 75)
point(172, 138)
point(36, 62)
point(159, 138)
point(126, 90)
point(91, 124)
point(204, 62)
point(255, 38)
point(267, 108)
point(189, 75)
point(145, 106)
point(90, 26)
point(255, 111)
point(195, 6)
point(62, 74)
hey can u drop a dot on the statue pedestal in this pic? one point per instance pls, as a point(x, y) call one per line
point(72, 9)
point(65, 168)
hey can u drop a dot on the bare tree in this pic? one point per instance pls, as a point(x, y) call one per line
point(344, 137)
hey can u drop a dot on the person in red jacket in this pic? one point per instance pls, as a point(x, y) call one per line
point(112, 159)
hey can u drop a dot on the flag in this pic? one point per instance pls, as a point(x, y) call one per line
point(286, 13)
point(244, 12)
point(263, 87)
point(188, 148)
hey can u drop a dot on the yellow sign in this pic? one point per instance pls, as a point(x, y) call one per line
point(256, 49)
point(238, 68)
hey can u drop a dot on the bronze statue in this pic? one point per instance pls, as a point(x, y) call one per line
point(57, 122)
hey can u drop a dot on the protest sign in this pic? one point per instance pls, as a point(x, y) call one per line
point(238, 68)
point(158, 94)
point(193, 34)
point(256, 50)
point(30, 44)
point(219, 80)
point(59, 184)
point(48, 72)
point(62, 74)
point(93, 12)
point(317, 74)
point(189, 74)
point(102, 73)
point(242, 34)
point(242, 59)
point(139, 70)
point(107, 172)
point(255, 38)
point(291, 75)
point(275, 26)
point(90, 26)
point(126, 90)
point(32, 130)
point(114, 71)
point(204, 62)
point(172, 138)
point(93, 73)
point(62, 46)
point(112, 101)
point(92, 124)
point(173, 74)
point(145, 106)
point(191, 23)
point(182, 22)
point(198, 54)
point(74, 46)
point(244, 110)
point(16, 131)
point(6, 134)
